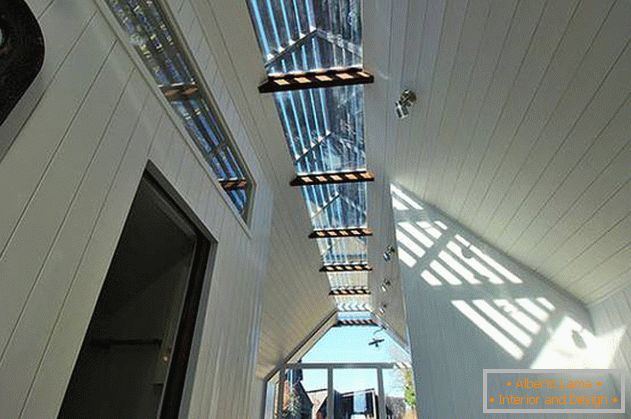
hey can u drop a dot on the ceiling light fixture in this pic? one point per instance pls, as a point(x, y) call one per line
point(387, 254)
point(405, 102)
point(385, 285)
point(382, 308)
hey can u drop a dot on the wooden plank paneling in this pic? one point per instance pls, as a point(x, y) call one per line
point(521, 130)
point(83, 136)
point(457, 328)
point(62, 23)
point(614, 315)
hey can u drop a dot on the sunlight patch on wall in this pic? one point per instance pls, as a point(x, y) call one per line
point(491, 331)
point(398, 205)
point(416, 233)
point(406, 258)
point(409, 244)
point(405, 197)
point(466, 274)
point(511, 328)
point(444, 273)
point(532, 308)
point(430, 278)
point(498, 301)
point(519, 316)
point(573, 346)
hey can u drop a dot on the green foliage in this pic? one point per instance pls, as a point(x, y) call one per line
point(409, 393)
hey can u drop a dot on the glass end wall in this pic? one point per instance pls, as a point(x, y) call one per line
point(348, 391)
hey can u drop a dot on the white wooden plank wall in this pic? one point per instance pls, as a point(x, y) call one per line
point(510, 318)
point(614, 315)
point(83, 135)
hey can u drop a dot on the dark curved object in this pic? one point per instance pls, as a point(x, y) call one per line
point(21, 52)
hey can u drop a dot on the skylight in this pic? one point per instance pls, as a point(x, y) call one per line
point(302, 35)
point(305, 45)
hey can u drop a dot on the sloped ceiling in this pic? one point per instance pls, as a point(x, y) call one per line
point(523, 129)
point(521, 133)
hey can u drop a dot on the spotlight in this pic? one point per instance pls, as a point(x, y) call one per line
point(467, 253)
point(382, 309)
point(387, 255)
point(406, 100)
point(385, 285)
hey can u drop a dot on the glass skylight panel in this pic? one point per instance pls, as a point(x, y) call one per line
point(151, 35)
point(349, 279)
point(358, 300)
point(343, 251)
point(324, 128)
point(304, 35)
point(353, 315)
point(336, 205)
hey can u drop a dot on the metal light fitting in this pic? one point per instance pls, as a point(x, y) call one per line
point(405, 102)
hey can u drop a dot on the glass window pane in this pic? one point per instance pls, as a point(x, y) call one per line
point(336, 206)
point(305, 394)
point(271, 400)
point(349, 279)
point(151, 35)
point(324, 128)
point(345, 250)
point(355, 393)
point(304, 35)
point(400, 393)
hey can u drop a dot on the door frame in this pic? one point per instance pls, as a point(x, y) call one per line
point(182, 367)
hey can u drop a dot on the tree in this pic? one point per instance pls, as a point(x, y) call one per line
point(409, 393)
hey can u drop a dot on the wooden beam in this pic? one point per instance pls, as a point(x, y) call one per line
point(356, 322)
point(233, 184)
point(339, 233)
point(332, 178)
point(179, 91)
point(351, 267)
point(344, 291)
point(353, 307)
point(316, 79)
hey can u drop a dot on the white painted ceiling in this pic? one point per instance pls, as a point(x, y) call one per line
point(523, 130)
point(522, 133)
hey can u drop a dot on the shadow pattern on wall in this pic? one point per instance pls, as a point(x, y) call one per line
point(513, 308)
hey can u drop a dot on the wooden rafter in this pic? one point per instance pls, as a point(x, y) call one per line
point(316, 79)
point(356, 322)
point(353, 306)
point(233, 184)
point(341, 233)
point(179, 91)
point(335, 177)
point(351, 267)
point(344, 291)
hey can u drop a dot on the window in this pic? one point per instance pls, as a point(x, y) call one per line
point(152, 37)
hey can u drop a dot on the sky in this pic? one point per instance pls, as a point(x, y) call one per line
point(350, 344)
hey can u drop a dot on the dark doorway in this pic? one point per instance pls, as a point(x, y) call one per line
point(135, 354)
